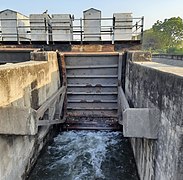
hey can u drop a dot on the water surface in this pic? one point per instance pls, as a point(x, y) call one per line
point(86, 155)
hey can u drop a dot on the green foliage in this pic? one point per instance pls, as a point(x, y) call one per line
point(152, 41)
point(175, 50)
point(164, 35)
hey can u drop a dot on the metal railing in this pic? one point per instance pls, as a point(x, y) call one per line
point(168, 56)
point(105, 29)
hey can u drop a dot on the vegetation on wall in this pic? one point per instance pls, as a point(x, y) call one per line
point(165, 36)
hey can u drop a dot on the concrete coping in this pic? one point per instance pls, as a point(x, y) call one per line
point(19, 65)
point(163, 67)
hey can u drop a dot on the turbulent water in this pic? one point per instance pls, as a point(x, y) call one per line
point(86, 155)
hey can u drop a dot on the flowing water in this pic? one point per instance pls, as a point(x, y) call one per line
point(86, 155)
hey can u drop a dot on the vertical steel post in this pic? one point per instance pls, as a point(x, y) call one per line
point(142, 30)
point(18, 39)
point(81, 30)
point(119, 86)
point(113, 27)
point(46, 31)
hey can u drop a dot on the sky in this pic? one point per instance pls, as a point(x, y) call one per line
point(152, 10)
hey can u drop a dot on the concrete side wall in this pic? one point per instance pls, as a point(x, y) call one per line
point(24, 85)
point(145, 87)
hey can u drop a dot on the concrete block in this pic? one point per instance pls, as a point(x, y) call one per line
point(123, 26)
point(92, 25)
point(43, 56)
point(10, 20)
point(17, 121)
point(38, 24)
point(141, 123)
point(62, 29)
point(136, 56)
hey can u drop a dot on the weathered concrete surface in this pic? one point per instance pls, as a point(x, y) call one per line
point(24, 87)
point(170, 62)
point(14, 156)
point(141, 123)
point(19, 153)
point(15, 120)
point(119, 46)
point(177, 70)
point(149, 87)
point(127, 45)
point(139, 56)
point(93, 48)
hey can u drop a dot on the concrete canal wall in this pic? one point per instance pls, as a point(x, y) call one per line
point(23, 88)
point(150, 85)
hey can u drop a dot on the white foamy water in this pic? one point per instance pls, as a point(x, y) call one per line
point(86, 155)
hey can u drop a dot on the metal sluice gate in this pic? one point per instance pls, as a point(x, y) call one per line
point(92, 81)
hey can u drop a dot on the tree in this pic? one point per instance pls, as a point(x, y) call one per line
point(171, 31)
point(152, 40)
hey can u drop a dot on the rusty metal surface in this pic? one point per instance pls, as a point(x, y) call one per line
point(92, 95)
point(91, 123)
point(88, 47)
point(17, 49)
point(64, 82)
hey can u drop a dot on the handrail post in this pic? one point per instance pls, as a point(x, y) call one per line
point(18, 40)
point(81, 30)
point(46, 31)
point(142, 29)
point(113, 27)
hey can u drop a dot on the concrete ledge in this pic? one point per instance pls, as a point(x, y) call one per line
point(141, 123)
point(136, 56)
point(19, 121)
